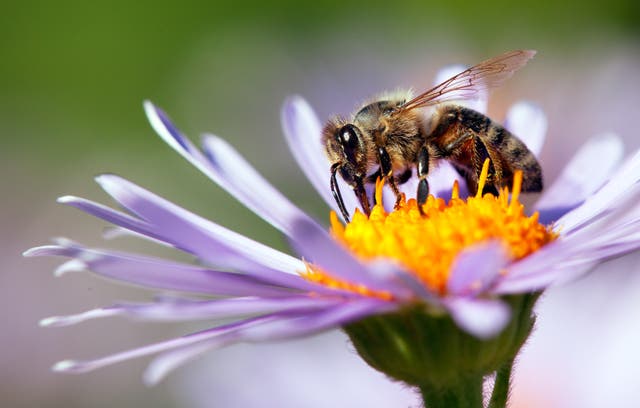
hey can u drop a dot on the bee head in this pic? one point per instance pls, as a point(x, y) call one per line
point(345, 148)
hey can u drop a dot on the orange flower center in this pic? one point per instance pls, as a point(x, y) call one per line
point(427, 243)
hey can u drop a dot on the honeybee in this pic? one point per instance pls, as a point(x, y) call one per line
point(388, 137)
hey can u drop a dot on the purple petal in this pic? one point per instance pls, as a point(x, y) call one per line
point(163, 126)
point(279, 328)
point(541, 280)
point(162, 365)
point(529, 123)
point(266, 202)
point(613, 238)
point(113, 232)
point(188, 309)
point(540, 268)
point(484, 318)
point(620, 185)
point(475, 269)
point(270, 327)
point(570, 258)
point(62, 321)
point(243, 182)
point(192, 233)
point(108, 214)
point(163, 274)
point(303, 134)
point(308, 323)
point(220, 334)
point(316, 246)
point(227, 308)
point(580, 178)
point(572, 255)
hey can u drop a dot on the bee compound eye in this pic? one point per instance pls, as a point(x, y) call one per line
point(348, 137)
point(349, 140)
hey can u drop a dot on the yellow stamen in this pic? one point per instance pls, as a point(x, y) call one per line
point(517, 185)
point(427, 242)
point(484, 174)
point(378, 192)
point(455, 191)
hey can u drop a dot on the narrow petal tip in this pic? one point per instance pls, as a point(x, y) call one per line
point(65, 242)
point(292, 104)
point(66, 199)
point(69, 320)
point(71, 366)
point(293, 99)
point(53, 321)
point(163, 126)
point(44, 250)
point(61, 247)
point(104, 178)
point(214, 146)
point(148, 105)
point(110, 233)
point(152, 113)
point(74, 265)
point(161, 366)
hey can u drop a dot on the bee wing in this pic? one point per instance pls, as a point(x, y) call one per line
point(466, 85)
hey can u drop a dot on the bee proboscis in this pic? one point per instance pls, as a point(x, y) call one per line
point(389, 137)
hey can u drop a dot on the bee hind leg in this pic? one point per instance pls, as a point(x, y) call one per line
point(472, 175)
point(481, 155)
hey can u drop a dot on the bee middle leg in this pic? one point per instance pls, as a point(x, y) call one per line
point(386, 170)
point(399, 179)
point(423, 171)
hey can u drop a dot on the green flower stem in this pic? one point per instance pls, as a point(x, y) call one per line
point(502, 387)
point(467, 393)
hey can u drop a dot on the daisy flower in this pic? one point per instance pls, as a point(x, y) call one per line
point(438, 301)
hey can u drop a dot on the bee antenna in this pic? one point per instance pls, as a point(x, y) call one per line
point(335, 190)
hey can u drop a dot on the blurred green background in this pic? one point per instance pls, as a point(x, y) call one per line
point(73, 75)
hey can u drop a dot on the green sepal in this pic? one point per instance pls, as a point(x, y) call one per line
point(428, 350)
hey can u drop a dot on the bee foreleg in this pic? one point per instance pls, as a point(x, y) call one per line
point(335, 190)
point(387, 171)
point(423, 171)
